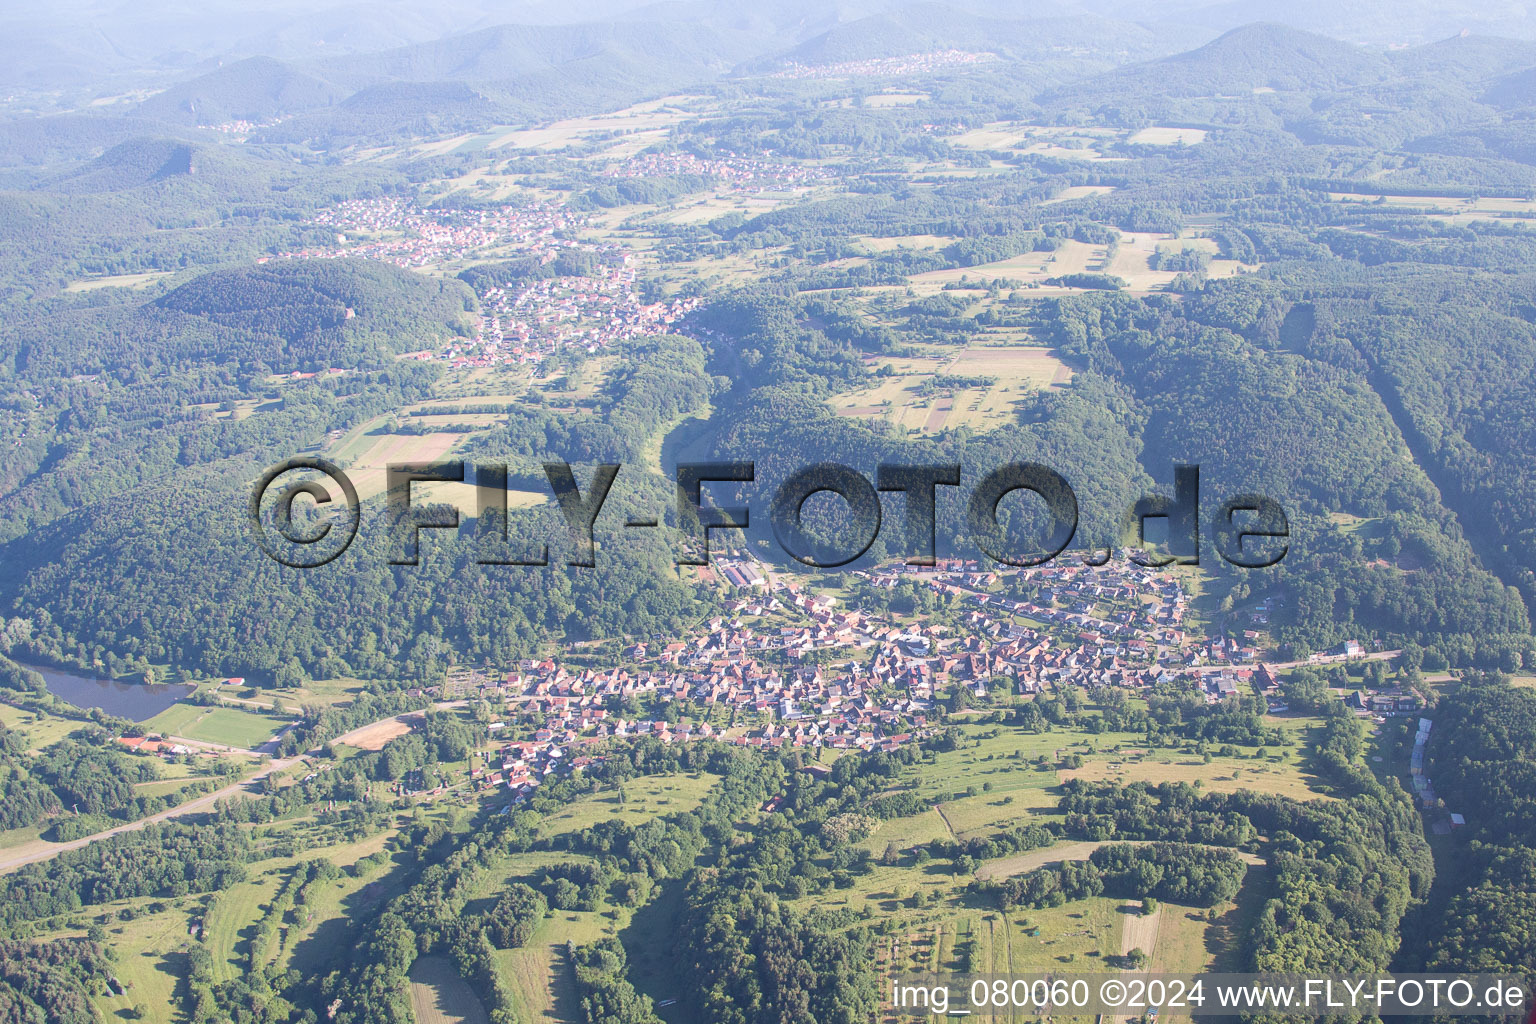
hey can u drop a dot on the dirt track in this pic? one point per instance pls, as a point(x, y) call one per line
point(41, 849)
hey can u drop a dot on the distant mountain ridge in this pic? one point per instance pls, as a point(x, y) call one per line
point(528, 74)
point(255, 89)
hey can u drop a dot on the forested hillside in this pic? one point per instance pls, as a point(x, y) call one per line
point(534, 760)
point(1482, 755)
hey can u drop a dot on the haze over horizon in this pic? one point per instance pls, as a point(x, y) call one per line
point(89, 50)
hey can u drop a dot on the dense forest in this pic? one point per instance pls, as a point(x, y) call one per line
point(1480, 757)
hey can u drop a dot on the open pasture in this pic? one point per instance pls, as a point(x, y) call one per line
point(653, 116)
point(1045, 140)
point(901, 399)
point(367, 470)
point(1222, 775)
point(1162, 136)
point(1028, 268)
point(134, 281)
point(887, 243)
point(1072, 192)
point(635, 801)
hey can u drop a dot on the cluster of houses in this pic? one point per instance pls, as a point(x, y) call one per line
point(789, 667)
point(525, 323)
point(242, 127)
point(884, 67)
point(400, 232)
point(733, 170)
point(154, 745)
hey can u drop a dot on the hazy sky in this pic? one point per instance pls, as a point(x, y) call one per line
point(77, 46)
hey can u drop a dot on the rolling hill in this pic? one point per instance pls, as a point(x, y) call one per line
point(256, 89)
point(1249, 59)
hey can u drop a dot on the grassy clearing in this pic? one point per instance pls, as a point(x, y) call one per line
point(518, 866)
point(464, 497)
point(899, 398)
point(1079, 937)
point(40, 729)
point(1181, 940)
point(1222, 775)
point(235, 913)
point(328, 914)
point(440, 996)
point(319, 691)
point(539, 974)
point(1030, 268)
point(1159, 136)
point(367, 470)
point(907, 833)
point(161, 788)
point(1072, 192)
point(151, 962)
point(1000, 810)
point(643, 798)
point(875, 243)
point(135, 281)
point(1133, 255)
point(1080, 143)
point(1021, 863)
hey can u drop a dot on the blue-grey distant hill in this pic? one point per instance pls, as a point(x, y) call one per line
point(255, 89)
